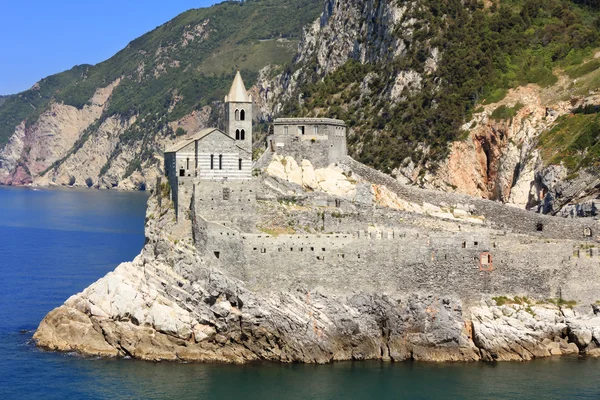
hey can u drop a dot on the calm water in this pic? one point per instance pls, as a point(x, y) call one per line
point(55, 243)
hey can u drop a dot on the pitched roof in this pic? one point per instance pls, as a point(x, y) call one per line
point(199, 136)
point(196, 136)
point(238, 93)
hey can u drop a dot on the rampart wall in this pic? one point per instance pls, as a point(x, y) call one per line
point(497, 215)
point(465, 265)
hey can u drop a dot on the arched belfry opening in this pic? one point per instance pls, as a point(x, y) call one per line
point(237, 115)
point(237, 134)
point(242, 115)
point(243, 135)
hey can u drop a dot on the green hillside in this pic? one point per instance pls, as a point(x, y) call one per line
point(485, 50)
point(187, 63)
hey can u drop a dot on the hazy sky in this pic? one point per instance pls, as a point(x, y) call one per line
point(40, 37)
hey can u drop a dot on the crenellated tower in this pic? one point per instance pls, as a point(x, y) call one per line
point(238, 114)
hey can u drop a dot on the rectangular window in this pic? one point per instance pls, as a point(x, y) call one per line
point(285, 130)
point(300, 130)
point(315, 130)
point(220, 161)
point(240, 164)
point(212, 161)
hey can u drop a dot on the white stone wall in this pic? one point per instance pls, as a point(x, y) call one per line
point(217, 144)
point(323, 141)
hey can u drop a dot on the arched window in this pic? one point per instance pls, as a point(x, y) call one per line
point(212, 161)
point(220, 161)
point(237, 134)
point(243, 135)
point(237, 115)
point(242, 115)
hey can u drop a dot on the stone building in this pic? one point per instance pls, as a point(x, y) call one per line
point(211, 154)
point(320, 140)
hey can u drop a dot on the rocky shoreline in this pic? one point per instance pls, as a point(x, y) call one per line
point(167, 305)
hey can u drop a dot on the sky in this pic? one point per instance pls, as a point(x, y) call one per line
point(39, 38)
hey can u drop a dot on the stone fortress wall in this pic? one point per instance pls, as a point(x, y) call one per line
point(389, 251)
point(321, 140)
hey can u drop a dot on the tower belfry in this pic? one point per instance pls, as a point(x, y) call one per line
point(238, 114)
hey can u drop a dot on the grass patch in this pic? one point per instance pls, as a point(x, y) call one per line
point(560, 302)
point(520, 300)
point(584, 69)
point(504, 112)
point(494, 96)
point(277, 230)
point(574, 141)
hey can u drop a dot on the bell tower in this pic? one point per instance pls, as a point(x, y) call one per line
point(238, 114)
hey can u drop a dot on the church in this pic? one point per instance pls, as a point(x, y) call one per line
point(212, 154)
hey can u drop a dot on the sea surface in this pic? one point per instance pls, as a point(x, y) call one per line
point(54, 243)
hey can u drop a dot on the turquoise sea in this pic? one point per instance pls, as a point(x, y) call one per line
point(54, 243)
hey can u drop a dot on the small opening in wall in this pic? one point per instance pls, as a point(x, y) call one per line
point(475, 243)
point(323, 249)
point(312, 249)
point(182, 172)
point(587, 232)
point(279, 249)
point(291, 249)
point(539, 227)
point(359, 256)
point(263, 250)
point(464, 245)
point(301, 130)
point(255, 249)
point(217, 254)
